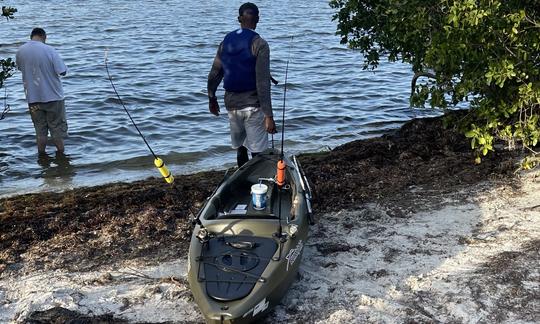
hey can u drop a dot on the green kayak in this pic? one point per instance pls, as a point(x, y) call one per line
point(248, 240)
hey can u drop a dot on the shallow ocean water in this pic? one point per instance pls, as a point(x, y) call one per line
point(160, 53)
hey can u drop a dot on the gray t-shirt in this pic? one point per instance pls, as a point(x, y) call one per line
point(258, 98)
point(41, 67)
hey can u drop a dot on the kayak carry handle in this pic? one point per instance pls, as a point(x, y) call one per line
point(244, 245)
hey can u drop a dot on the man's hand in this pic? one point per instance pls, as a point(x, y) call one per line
point(270, 124)
point(213, 106)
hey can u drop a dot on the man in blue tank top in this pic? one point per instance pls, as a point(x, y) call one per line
point(243, 63)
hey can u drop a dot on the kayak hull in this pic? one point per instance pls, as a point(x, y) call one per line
point(242, 259)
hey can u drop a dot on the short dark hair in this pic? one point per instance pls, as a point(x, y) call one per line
point(38, 32)
point(248, 6)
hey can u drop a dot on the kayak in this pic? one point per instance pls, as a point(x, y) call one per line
point(248, 240)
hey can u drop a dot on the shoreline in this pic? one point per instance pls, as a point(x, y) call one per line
point(421, 154)
point(389, 210)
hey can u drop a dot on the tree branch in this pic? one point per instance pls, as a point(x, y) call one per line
point(420, 74)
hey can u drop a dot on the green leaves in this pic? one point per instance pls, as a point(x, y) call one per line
point(8, 12)
point(481, 139)
point(484, 53)
point(7, 65)
point(499, 72)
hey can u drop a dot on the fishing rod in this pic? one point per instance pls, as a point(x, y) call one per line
point(284, 99)
point(281, 165)
point(158, 162)
point(275, 82)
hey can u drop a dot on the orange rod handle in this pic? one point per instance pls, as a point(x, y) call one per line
point(280, 176)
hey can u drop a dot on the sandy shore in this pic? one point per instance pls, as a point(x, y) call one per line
point(474, 258)
point(433, 238)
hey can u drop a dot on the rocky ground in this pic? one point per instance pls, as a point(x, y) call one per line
point(409, 230)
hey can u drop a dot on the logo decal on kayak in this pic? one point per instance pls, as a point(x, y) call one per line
point(293, 254)
point(259, 308)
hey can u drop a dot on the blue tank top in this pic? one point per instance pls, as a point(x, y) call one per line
point(238, 61)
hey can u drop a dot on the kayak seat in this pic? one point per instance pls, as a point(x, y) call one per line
point(232, 265)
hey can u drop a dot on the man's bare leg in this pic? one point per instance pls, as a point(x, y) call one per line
point(241, 156)
point(59, 142)
point(41, 144)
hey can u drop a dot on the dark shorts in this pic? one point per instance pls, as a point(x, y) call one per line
point(49, 117)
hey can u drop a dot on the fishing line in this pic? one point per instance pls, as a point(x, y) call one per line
point(285, 97)
point(275, 82)
point(157, 161)
point(125, 109)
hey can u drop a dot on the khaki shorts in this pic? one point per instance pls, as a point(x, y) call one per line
point(49, 117)
point(248, 129)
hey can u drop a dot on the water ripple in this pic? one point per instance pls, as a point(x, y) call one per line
point(159, 56)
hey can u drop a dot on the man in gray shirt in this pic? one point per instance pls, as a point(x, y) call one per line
point(41, 68)
point(243, 63)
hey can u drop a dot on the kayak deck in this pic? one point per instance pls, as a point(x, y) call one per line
point(232, 265)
